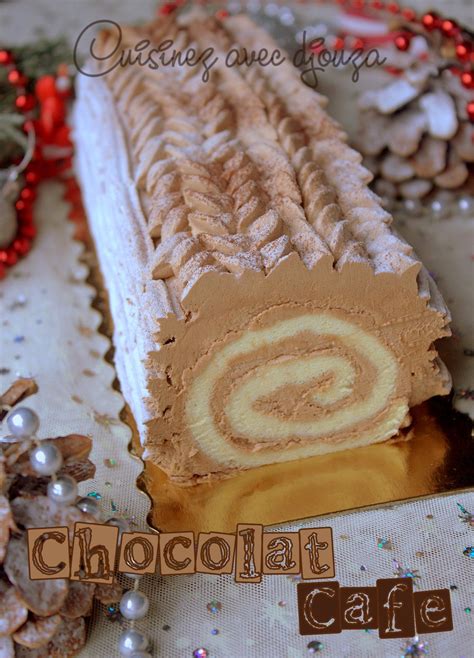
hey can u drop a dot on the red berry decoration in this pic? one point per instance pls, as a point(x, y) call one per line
point(449, 28)
point(168, 8)
point(463, 51)
point(11, 257)
point(27, 194)
point(32, 177)
point(25, 102)
point(402, 42)
point(467, 80)
point(470, 111)
point(28, 231)
point(430, 21)
point(408, 14)
point(5, 57)
point(22, 246)
point(16, 79)
point(393, 8)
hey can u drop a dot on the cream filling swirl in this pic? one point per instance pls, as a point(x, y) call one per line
point(306, 436)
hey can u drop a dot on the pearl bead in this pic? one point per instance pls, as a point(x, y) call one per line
point(46, 459)
point(271, 9)
point(63, 490)
point(413, 206)
point(131, 641)
point(88, 505)
point(438, 208)
point(286, 16)
point(23, 422)
point(466, 205)
point(121, 524)
point(134, 605)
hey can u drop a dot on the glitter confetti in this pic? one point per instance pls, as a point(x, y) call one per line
point(469, 551)
point(215, 631)
point(110, 463)
point(363, 567)
point(403, 572)
point(465, 516)
point(19, 302)
point(166, 627)
point(383, 542)
point(214, 606)
point(200, 653)
point(467, 611)
point(113, 506)
point(94, 494)
point(107, 484)
point(84, 330)
point(453, 588)
point(282, 604)
point(414, 647)
point(314, 646)
point(104, 419)
point(464, 393)
point(112, 612)
point(19, 339)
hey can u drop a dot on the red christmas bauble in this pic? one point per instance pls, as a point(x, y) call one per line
point(45, 87)
point(52, 114)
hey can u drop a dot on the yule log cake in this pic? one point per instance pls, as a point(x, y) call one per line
point(263, 308)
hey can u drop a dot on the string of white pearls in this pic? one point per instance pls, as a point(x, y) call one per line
point(134, 605)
